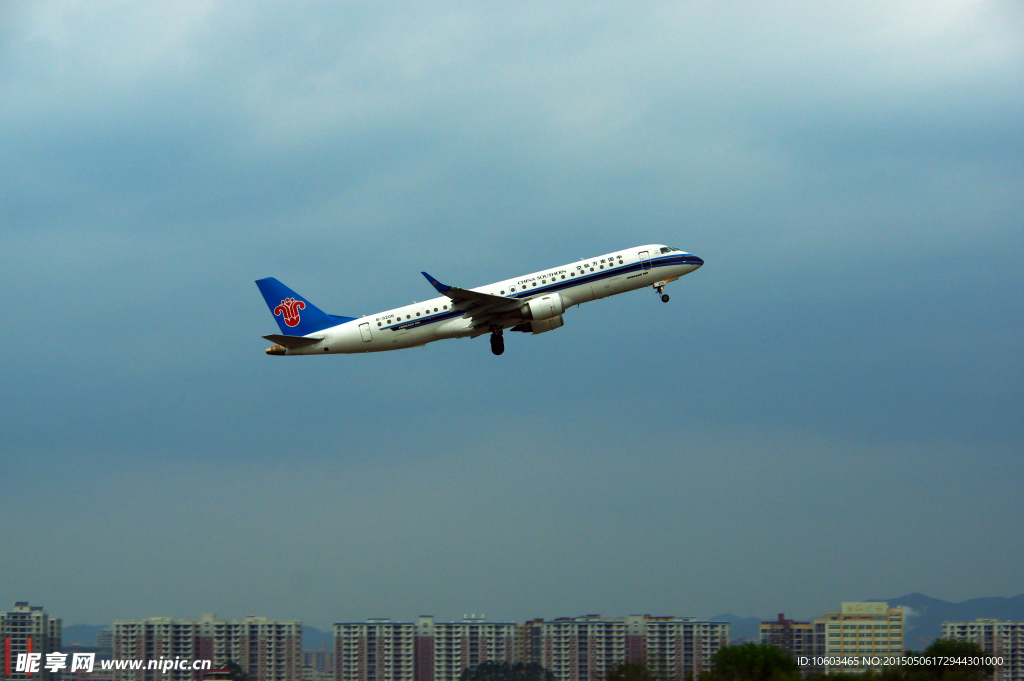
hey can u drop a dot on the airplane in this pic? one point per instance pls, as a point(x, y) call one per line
point(533, 303)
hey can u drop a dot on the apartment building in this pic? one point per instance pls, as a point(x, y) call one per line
point(266, 650)
point(999, 638)
point(24, 630)
point(674, 647)
point(451, 647)
point(375, 650)
point(582, 648)
point(796, 638)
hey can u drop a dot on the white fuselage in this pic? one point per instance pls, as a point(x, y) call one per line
point(576, 283)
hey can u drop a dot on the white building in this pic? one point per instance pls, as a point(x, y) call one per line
point(28, 629)
point(675, 647)
point(587, 648)
point(1002, 639)
point(265, 650)
point(375, 650)
point(582, 648)
point(448, 648)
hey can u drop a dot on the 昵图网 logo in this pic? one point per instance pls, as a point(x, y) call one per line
point(289, 309)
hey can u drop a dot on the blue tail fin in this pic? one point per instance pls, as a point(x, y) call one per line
point(295, 315)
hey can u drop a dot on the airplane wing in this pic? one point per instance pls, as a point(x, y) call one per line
point(482, 308)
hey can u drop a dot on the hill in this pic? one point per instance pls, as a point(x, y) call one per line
point(926, 615)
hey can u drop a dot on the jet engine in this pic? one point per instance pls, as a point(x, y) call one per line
point(546, 324)
point(542, 326)
point(543, 307)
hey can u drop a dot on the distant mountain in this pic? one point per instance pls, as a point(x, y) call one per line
point(741, 627)
point(313, 638)
point(81, 634)
point(926, 614)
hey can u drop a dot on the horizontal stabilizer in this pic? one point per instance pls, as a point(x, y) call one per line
point(293, 342)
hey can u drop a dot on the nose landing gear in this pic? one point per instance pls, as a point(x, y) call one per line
point(660, 288)
point(497, 342)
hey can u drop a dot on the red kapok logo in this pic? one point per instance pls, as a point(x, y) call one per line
point(289, 308)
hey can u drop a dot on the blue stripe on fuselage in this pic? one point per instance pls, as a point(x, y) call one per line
point(681, 259)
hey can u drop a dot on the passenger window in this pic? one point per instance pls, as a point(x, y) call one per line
point(378, 323)
point(445, 306)
point(503, 292)
point(535, 284)
point(408, 316)
point(572, 274)
point(435, 309)
point(563, 276)
point(417, 314)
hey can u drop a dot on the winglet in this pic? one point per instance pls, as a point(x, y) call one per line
point(441, 288)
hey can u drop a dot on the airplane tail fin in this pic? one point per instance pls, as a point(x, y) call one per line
point(295, 315)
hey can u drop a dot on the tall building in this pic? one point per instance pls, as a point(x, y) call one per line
point(673, 647)
point(796, 638)
point(382, 650)
point(582, 648)
point(375, 650)
point(105, 638)
point(25, 630)
point(529, 641)
point(454, 646)
point(1003, 639)
point(861, 629)
point(266, 650)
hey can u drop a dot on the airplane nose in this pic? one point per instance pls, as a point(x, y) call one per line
point(697, 261)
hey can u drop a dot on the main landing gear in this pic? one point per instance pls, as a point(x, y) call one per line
point(497, 342)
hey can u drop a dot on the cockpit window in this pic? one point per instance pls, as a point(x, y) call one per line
point(665, 250)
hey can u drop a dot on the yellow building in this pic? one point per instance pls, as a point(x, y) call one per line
point(866, 633)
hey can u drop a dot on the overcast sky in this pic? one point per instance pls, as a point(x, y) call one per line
point(829, 410)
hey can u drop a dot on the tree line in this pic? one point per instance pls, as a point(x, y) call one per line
point(766, 662)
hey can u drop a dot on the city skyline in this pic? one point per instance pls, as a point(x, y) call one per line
point(925, 617)
point(571, 648)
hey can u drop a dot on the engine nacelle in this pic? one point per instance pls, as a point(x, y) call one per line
point(544, 307)
point(546, 325)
